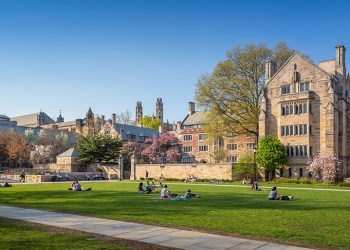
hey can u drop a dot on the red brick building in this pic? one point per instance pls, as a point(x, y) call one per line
point(195, 146)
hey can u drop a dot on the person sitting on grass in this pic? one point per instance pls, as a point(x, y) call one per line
point(275, 196)
point(78, 187)
point(140, 188)
point(165, 193)
point(73, 185)
point(149, 188)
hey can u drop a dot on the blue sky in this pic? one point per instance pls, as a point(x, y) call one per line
point(73, 54)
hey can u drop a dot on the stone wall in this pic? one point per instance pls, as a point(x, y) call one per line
point(111, 170)
point(220, 171)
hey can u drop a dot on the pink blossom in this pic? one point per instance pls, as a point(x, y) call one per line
point(326, 164)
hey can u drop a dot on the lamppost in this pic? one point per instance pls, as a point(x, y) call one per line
point(120, 166)
point(255, 170)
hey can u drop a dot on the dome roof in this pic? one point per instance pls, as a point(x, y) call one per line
point(4, 118)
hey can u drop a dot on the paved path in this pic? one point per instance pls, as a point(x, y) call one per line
point(163, 236)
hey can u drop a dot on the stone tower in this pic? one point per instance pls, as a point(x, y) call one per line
point(90, 122)
point(60, 118)
point(159, 109)
point(139, 113)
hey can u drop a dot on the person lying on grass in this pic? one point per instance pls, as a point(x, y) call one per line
point(189, 195)
point(275, 196)
point(6, 185)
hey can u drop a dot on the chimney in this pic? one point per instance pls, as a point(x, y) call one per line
point(178, 126)
point(340, 55)
point(78, 124)
point(269, 69)
point(102, 121)
point(340, 70)
point(114, 116)
point(191, 108)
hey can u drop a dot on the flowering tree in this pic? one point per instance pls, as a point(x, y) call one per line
point(130, 146)
point(165, 146)
point(326, 163)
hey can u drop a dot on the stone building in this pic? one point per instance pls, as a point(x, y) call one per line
point(307, 107)
point(129, 133)
point(33, 120)
point(195, 147)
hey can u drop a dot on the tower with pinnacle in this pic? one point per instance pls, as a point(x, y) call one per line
point(159, 109)
point(139, 113)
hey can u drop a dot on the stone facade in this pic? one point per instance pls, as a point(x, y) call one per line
point(307, 107)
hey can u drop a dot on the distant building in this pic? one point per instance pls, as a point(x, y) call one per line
point(195, 146)
point(165, 126)
point(33, 120)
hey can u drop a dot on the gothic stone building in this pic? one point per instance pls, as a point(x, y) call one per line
point(307, 107)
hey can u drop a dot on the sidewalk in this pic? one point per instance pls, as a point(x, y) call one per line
point(163, 236)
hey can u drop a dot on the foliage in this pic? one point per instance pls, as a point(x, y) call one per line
point(150, 122)
point(245, 166)
point(223, 209)
point(130, 147)
point(4, 139)
point(271, 154)
point(98, 148)
point(325, 163)
point(165, 146)
point(17, 148)
point(124, 118)
point(48, 146)
point(219, 153)
point(234, 90)
point(29, 136)
point(41, 155)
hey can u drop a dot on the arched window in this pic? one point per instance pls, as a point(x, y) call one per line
point(291, 109)
point(287, 110)
point(295, 66)
point(296, 109)
point(300, 108)
point(283, 110)
point(287, 130)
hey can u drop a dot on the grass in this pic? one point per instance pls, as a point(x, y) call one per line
point(313, 218)
point(18, 236)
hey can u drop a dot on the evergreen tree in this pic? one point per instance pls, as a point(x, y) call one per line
point(98, 148)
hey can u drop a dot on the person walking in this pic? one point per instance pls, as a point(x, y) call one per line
point(22, 176)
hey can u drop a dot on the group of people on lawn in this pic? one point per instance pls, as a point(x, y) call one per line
point(165, 193)
point(76, 186)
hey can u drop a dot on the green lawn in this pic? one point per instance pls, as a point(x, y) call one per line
point(316, 218)
point(16, 236)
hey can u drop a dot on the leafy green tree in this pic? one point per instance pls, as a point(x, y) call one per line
point(29, 136)
point(271, 154)
point(98, 148)
point(234, 90)
point(245, 166)
point(150, 122)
